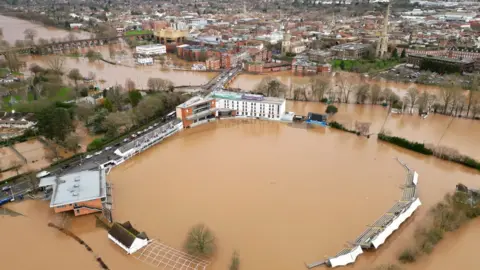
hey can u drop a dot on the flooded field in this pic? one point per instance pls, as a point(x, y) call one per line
point(279, 195)
point(459, 133)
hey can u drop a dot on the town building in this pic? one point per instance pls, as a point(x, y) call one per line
point(83, 193)
point(350, 51)
point(169, 35)
point(319, 56)
point(127, 237)
point(441, 64)
point(151, 49)
point(212, 64)
point(302, 66)
point(248, 105)
point(196, 110)
point(145, 61)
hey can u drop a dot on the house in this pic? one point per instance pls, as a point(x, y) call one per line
point(83, 192)
point(125, 236)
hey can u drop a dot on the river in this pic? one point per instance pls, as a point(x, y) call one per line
point(281, 196)
point(13, 29)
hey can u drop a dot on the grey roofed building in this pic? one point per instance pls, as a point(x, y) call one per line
point(125, 233)
point(76, 187)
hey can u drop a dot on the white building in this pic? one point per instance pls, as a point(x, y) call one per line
point(125, 236)
point(145, 61)
point(248, 105)
point(151, 49)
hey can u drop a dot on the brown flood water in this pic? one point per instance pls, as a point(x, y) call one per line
point(250, 81)
point(280, 196)
point(13, 29)
point(117, 74)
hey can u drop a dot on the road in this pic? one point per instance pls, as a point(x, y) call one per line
point(218, 82)
point(16, 189)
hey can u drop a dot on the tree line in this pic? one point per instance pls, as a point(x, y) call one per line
point(451, 99)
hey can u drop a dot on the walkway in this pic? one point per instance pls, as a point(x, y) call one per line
point(162, 256)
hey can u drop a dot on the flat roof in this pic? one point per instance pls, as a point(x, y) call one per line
point(194, 101)
point(150, 46)
point(76, 187)
point(245, 97)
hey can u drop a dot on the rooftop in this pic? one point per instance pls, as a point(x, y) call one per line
point(76, 187)
point(245, 97)
point(150, 46)
point(350, 46)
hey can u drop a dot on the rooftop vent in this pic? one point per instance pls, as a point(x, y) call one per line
point(76, 185)
point(75, 194)
point(77, 179)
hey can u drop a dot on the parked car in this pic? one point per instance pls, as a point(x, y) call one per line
point(98, 153)
point(126, 140)
point(108, 148)
point(88, 156)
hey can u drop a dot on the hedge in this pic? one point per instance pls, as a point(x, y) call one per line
point(420, 148)
point(339, 126)
point(414, 146)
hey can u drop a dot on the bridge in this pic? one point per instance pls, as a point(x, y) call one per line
point(65, 46)
point(223, 79)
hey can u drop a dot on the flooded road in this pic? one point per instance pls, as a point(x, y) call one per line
point(13, 29)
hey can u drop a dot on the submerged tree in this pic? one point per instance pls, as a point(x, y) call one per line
point(320, 86)
point(200, 241)
point(235, 262)
point(271, 87)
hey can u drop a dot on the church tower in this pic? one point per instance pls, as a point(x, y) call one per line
point(382, 43)
point(286, 42)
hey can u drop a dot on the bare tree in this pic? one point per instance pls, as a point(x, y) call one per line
point(71, 37)
point(19, 43)
point(42, 41)
point(425, 102)
point(320, 85)
point(362, 93)
point(271, 87)
point(92, 76)
point(1, 32)
point(345, 86)
point(56, 64)
point(129, 84)
point(30, 34)
point(159, 84)
point(72, 142)
point(363, 127)
point(375, 93)
point(12, 61)
point(117, 123)
point(75, 76)
point(115, 95)
point(412, 97)
point(84, 110)
point(389, 96)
